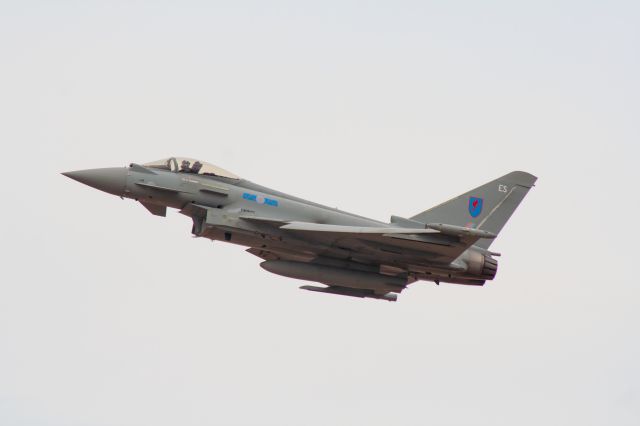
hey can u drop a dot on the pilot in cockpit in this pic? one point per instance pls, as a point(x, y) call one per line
point(196, 167)
point(190, 166)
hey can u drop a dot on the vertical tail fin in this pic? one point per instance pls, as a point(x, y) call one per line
point(487, 207)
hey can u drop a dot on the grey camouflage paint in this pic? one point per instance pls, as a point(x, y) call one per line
point(350, 254)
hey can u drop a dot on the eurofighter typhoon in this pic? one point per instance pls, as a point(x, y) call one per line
point(350, 254)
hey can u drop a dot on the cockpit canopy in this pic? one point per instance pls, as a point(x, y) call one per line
point(190, 165)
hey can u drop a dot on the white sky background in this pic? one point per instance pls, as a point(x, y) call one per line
point(111, 316)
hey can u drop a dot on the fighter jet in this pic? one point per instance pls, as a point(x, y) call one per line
point(349, 254)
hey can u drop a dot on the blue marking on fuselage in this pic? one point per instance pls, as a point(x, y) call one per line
point(260, 200)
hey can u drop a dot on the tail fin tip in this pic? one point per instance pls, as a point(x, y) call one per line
point(520, 178)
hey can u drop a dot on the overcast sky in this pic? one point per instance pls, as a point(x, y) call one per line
point(112, 316)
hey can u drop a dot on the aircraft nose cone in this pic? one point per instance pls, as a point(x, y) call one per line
point(111, 179)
